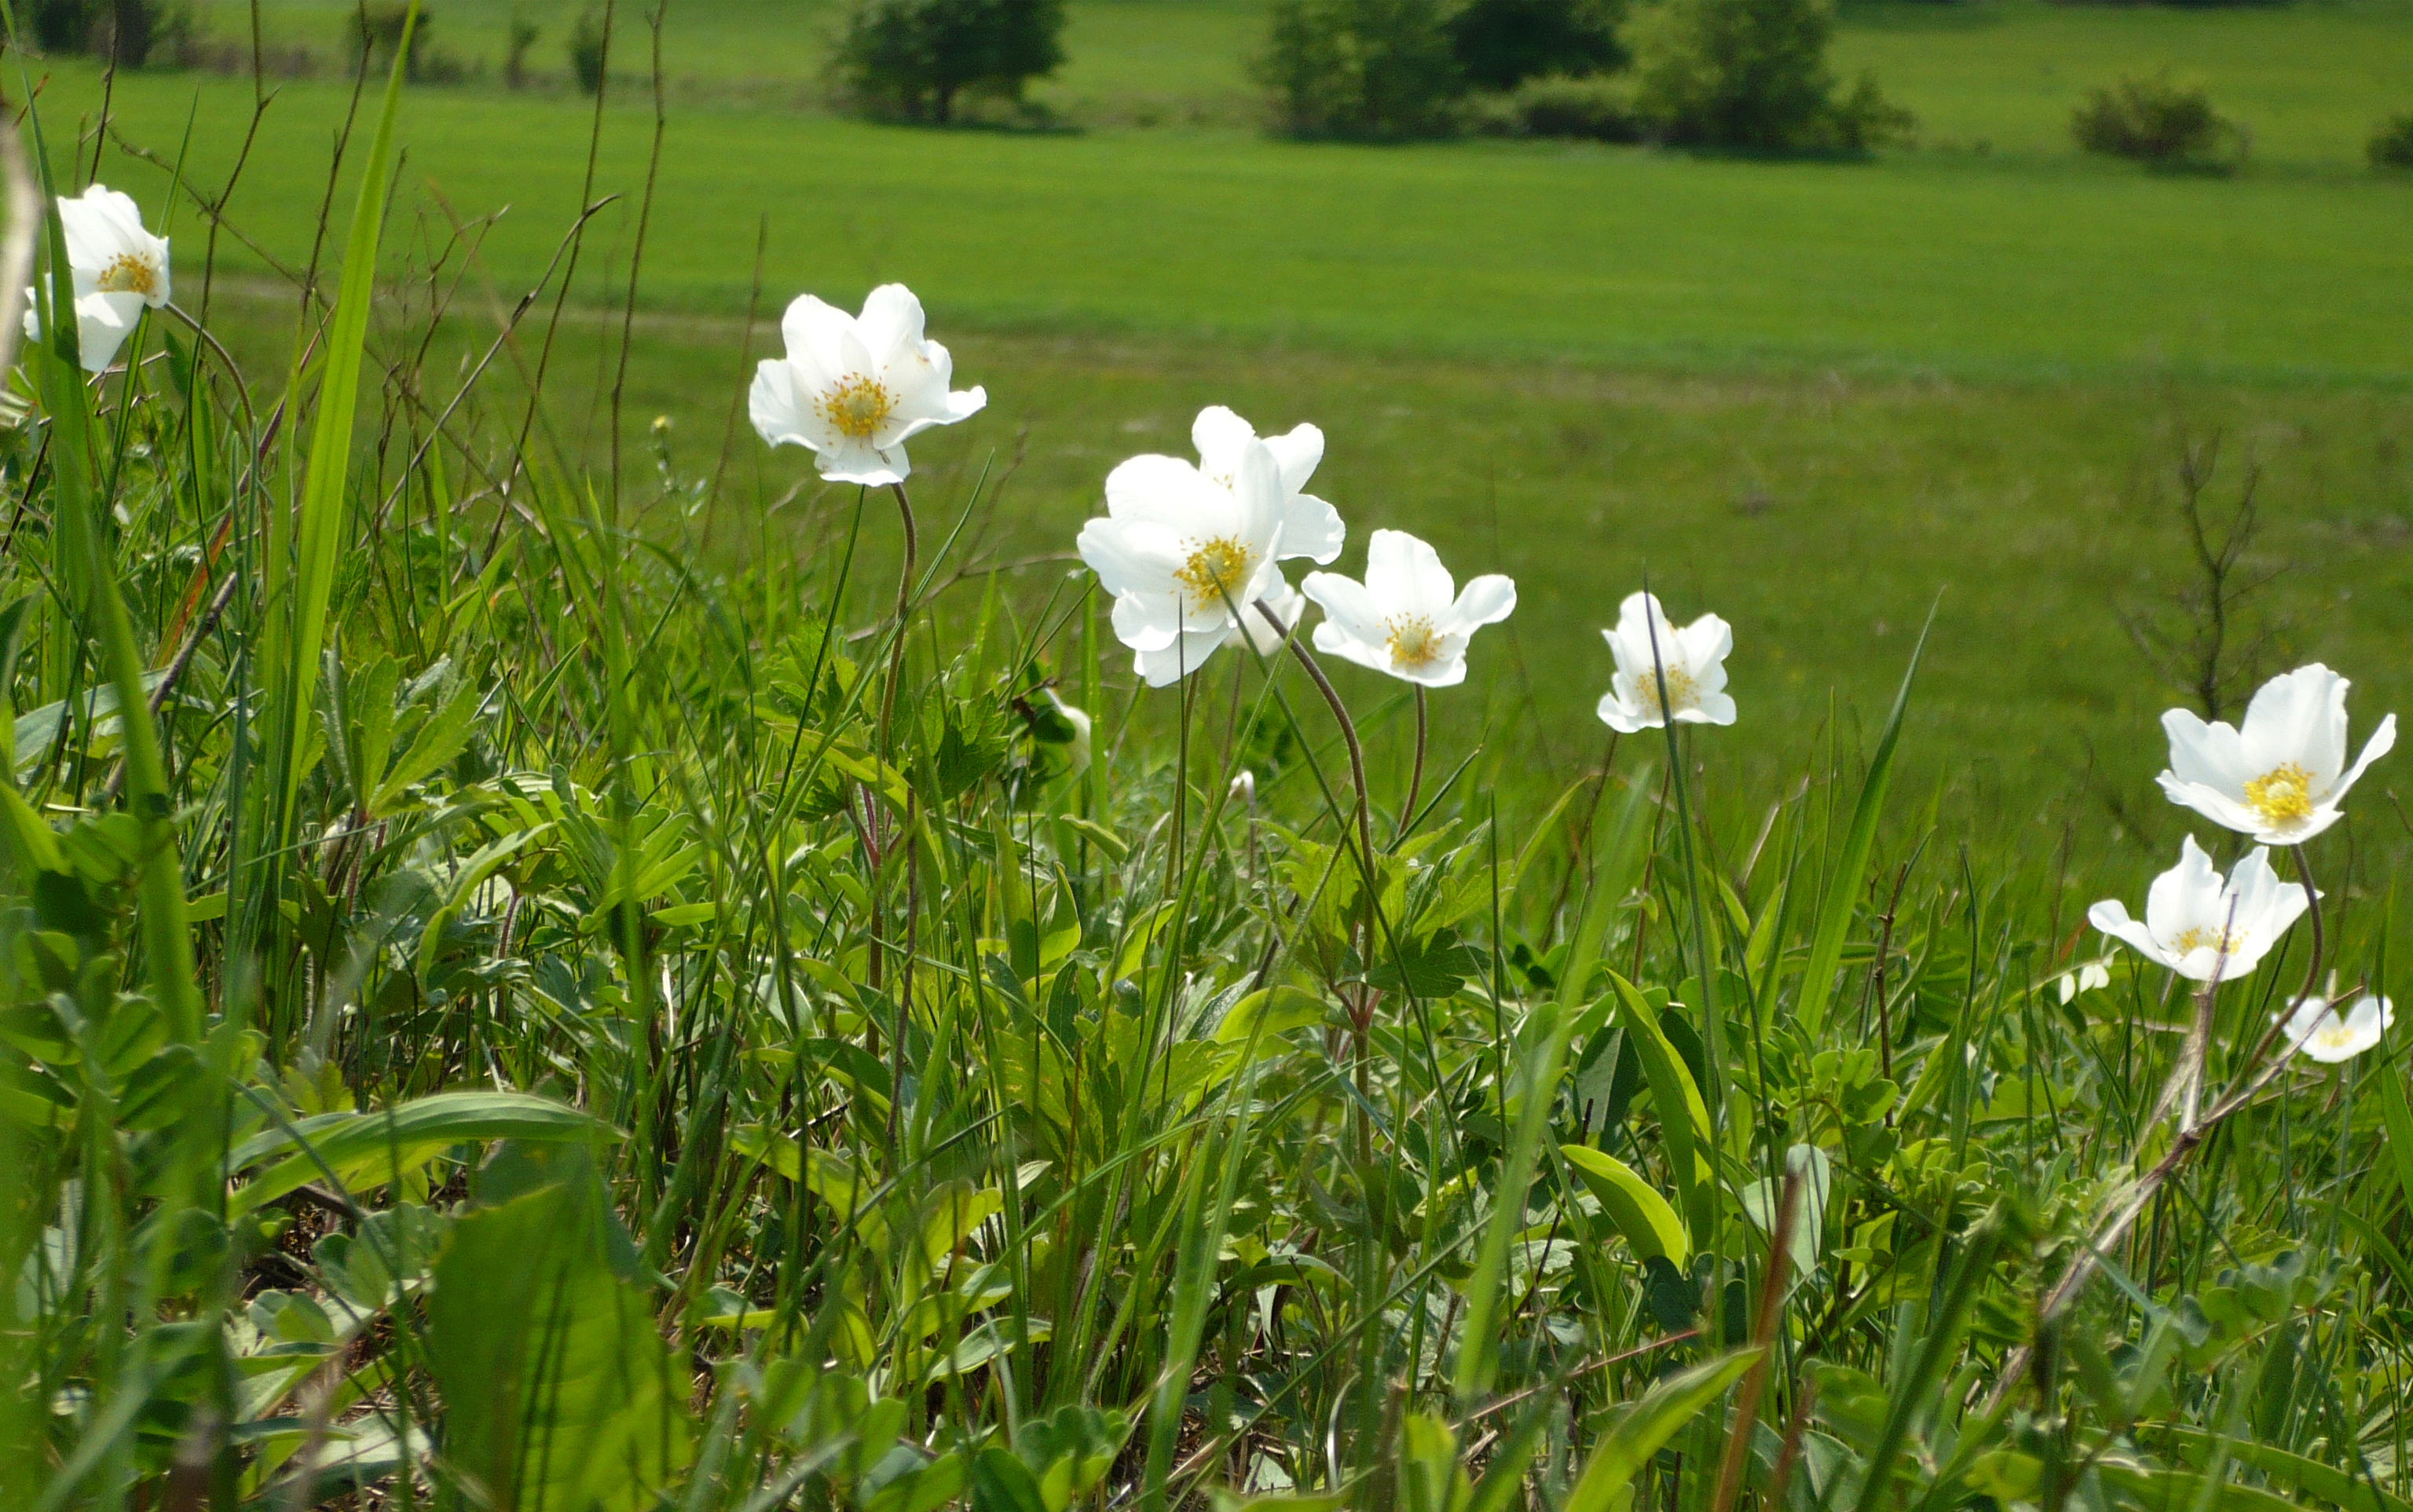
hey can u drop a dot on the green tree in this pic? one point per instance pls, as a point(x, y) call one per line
point(1499, 44)
point(1750, 74)
point(914, 58)
point(1359, 67)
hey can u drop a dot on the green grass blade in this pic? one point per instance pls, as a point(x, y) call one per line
point(1843, 888)
point(1648, 1425)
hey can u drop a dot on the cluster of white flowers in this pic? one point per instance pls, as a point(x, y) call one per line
point(2279, 778)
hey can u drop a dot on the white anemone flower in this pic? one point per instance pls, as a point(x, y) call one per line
point(1311, 527)
point(1409, 617)
point(2318, 1029)
point(1693, 661)
point(1189, 555)
point(118, 270)
point(853, 388)
point(2090, 977)
point(2197, 925)
point(2281, 776)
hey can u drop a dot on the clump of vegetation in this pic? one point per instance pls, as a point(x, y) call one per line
point(1591, 109)
point(520, 41)
point(2157, 119)
point(916, 60)
point(376, 34)
point(1499, 44)
point(590, 49)
point(130, 33)
point(2391, 142)
point(1361, 68)
point(1752, 74)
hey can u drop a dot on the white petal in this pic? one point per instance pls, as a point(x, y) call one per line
point(1186, 655)
point(1296, 452)
point(1219, 435)
point(812, 331)
point(1710, 708)
point(1311, 527)
point(1132, 557)
point(2207, 755)
point(853, 460)
point(2382, 741)
point(1350, 611)
point(2212, 802)
point(1333, 641)
point(2111, 917)
point(1486, 601)
point(779, 418)
point(1405, 575)
point(1706, 643)
point(1169, 491)
point(2287, 721)
point(890, 322)
point(1256, 488)
point(1623, 717)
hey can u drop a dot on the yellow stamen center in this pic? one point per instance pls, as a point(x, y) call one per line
point(1412, 641)
point(1681, 693)
point(857, 406)
point(2333, 1035)
point(2282, 795)
point(1218, 570)
point(128, 273)
point(2200, 938)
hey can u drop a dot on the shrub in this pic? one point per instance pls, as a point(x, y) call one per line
point(1359, 67)
point(515, 54)
point(2391, 142)
point(2159, 120)
point(1499, 44)
point(377, 30)
point(1590, 109)
point(589, 46)
point(914, 58)
point(1752, 74)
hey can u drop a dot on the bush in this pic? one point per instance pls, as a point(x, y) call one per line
point(2391, 142)
point(1590, 110)
point(377, 31)
point(2168, 123)
point(1499, 44)
point(913, 58)
point(1752, 74)
point(1360, 67)
point(589, 44)
point(515, 54)
point(125, 30)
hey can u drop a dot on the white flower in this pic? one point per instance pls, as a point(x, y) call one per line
point(118, 270)
point(2279, 778)
point(2323, 1032)
point(2086, 978)
point(2196, 926)
point(1692, 660)
point(1189, 551)
point(1286, 603)
point(1408, 618)
point(853, 389)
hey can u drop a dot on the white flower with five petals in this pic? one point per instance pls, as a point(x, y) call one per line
point(1188, 550)
point(853, 389)
point(118, 270)
point(1408, 618)
point(2197, 926)
point(1691, 659)
point(2281, 775)
point(2319, 1030)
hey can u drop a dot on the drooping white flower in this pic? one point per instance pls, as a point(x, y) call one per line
point(1189, 554)
point(2087, 978)
point(118, 270)
point(2281, 776)
point(852, 389)
point(2317, 1029)
point(1691, 659)
point(2196, 925)
point(1408, 618)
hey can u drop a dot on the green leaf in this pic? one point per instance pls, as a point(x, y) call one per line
point(558, 1392)
point(2324, 1483)
point(1650, 1225)
point(1648, 1425)
point(1684, 1118)
point(368, 1150)
point(439, 740)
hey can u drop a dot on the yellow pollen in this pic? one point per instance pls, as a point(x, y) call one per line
point(2282, 795)
point(1217, 571)
point(2200, 938)
point(858, 406)
point(129, 274)
point(1412, 641)
point(1681, 693)
point(2332, 1036)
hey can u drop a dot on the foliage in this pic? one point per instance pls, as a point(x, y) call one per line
point(590, 49)
point(523, 39)
point(2391, 142)
point(1359, 67)
point(1594, 108)
point(1752, 74)
point(2157, 119)
point(1499, 44)
point(914, 60)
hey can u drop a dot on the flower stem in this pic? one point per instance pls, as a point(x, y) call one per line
point(1416, 772)
point(904, 606)
point(2312, 912)
point(1348, 731)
